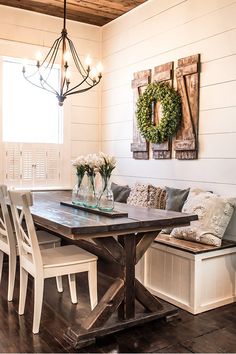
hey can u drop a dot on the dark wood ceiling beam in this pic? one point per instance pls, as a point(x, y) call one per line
point(101, 9)
point(55, 11)
point(96, 12)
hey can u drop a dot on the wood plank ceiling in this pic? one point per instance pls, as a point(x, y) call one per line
point(95, 12)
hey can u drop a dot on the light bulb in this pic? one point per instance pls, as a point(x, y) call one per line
point(88, 60)
point(24, 62)
point(93, 73)
point(38, 55)
point(66, 56)
point(68, 75)
point(99, 68)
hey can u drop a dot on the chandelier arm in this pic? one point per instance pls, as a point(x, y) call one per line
point(76, 59)
point(54, 53)
point(42, 88)
point(62, 85)
point(76, 86)
point(89, 83)
point(51, 52)
point(39, 86)
point(53, 57)
point(31, 75)
point(46, 83)
point(85, 89)
point(79, 91)
point(50, 64)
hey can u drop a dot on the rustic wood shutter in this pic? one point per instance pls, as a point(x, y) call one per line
point(139, 147)
point(188, 74)
point(162, 73)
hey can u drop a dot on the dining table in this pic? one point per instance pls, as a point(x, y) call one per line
point(121, 238)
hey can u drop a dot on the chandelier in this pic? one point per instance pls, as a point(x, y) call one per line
point(64, 50)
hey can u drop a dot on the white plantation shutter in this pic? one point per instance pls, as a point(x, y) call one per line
point(53, 164)
point(39, 165)
point(12, 164)
point(26, 165)
point(32, 165)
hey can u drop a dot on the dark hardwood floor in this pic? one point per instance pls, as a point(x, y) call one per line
point(210, 332)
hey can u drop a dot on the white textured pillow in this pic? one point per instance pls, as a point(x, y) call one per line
point(214, 213)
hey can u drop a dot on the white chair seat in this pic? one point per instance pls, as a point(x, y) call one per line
point(65, 255)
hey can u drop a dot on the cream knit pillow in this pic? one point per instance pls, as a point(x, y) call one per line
point(142, 195)
point(214, 213)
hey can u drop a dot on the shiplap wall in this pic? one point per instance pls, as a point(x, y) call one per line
point(157, 32)
point(22, 33)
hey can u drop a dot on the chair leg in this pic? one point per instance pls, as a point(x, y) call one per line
point(38, 302)
point(23, 290)
point(59, 284)
point(72, 286)
point(11, 276)
point(58, 279)
point(1, 264)
point(92, 282)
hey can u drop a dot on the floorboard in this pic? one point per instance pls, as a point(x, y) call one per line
point(211, 332)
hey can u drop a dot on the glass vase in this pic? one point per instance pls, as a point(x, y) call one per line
point(106, 198)
point(78, 192)
point(90, 196)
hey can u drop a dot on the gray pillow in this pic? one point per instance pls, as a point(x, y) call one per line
point(120, 193)
point(175, 198)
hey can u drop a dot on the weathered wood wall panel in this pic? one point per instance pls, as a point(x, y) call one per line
point(188, 81)
point(139, 147)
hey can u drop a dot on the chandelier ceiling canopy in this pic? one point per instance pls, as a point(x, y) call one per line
point(63, 52)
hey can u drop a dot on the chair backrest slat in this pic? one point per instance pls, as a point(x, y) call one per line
point(6, 228)
point(27, 238)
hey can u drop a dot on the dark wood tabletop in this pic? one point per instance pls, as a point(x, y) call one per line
point(74, 223)
point(120, 241)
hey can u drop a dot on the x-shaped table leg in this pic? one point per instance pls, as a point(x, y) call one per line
point(125, 252)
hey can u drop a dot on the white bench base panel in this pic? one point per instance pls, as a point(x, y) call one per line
point(193, 282)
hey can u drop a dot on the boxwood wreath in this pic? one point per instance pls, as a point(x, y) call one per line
point(171, 109)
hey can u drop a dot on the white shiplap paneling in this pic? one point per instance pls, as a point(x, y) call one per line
point(153, 34)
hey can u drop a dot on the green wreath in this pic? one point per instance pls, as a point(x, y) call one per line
point(171, 109)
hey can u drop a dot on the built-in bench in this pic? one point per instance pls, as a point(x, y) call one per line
point(190, 275)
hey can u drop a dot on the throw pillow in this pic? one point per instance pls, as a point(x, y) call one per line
point(175, 198)
point(160, 199)
point(120, 193)
point(142, 195)
point(214, 213)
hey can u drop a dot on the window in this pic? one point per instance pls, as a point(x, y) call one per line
point(30, 115)
point(32, 130)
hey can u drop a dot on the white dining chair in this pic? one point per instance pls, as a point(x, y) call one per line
point(47, 263)
point(8, 244)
